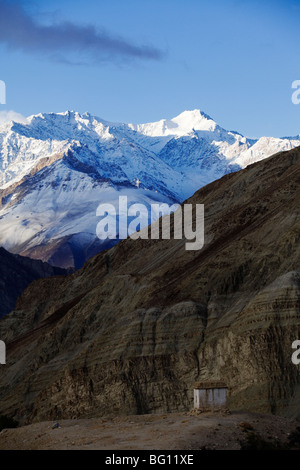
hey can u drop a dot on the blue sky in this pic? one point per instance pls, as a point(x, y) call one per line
point(140, 61)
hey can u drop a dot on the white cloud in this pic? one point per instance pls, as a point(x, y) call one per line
point(6, 116)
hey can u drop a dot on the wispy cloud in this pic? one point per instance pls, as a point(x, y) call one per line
point(6, 116)
point(65, 41)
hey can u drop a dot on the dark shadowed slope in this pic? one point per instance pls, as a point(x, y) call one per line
point(16, 273)
point(137, 325)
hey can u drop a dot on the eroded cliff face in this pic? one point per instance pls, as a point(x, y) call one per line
point(136, 327)
point(251, 349)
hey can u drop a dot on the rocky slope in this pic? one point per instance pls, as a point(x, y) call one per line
point(55, 169)
point(138, 324)
point(16, 273)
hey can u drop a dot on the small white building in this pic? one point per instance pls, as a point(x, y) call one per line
point(210, 395)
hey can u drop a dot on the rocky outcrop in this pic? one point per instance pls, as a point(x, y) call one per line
point(136, 327)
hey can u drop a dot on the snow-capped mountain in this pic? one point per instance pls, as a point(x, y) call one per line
point(55, 169)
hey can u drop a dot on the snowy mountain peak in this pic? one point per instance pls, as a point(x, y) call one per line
point(56, 168)
point(65, 125)
point(185, 123)
point(192, 141)
point(194, 120)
